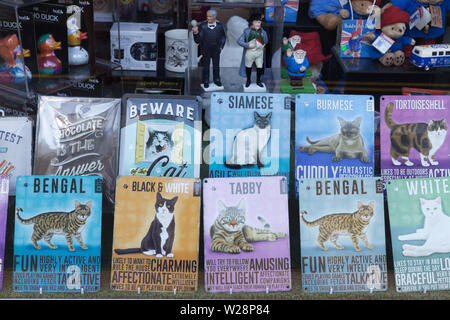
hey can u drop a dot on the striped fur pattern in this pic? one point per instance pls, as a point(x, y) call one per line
point(230, 234)
point(353, 224)
point(426, 138)
point(69, 224)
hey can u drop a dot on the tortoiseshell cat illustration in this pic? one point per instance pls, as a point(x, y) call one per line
point(354, 224)
point(70, 224)
point(230, 234)
point(161, 234)
point(348, 143)
point(425, 138)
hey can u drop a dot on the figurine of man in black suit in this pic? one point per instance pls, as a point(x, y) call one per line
point(210, 35)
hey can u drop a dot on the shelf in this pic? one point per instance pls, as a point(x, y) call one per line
point(231, 4)
point(19, 3)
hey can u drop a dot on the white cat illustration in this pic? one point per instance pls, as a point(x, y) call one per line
point(435, 231)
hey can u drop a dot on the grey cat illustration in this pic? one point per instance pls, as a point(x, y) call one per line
point(159, 143)
point(348, 143)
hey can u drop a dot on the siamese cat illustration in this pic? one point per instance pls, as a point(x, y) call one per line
point(348, 143)
point(249, 143)
point(434, 232)
point(161, 234)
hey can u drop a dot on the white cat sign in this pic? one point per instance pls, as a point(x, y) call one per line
point(419, 216)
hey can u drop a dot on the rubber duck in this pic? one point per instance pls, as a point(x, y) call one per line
point(77, 54)
point(48, 62)
point(12, 70)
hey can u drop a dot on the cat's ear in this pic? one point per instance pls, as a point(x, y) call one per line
point(158, 196)
point(359, 204)
point(256, 115)
point(341, 121)
point(438, 200)
point(431, 122)
point(269, 115)
point(89, 204)
point(174, 200)
point(77, 203)
point(422, 201)
point(241, 205)
point(357, 121)
point(221, 206)
point(371, 204)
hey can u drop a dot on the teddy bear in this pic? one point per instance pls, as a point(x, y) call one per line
point(329, 13)
point(393, 24)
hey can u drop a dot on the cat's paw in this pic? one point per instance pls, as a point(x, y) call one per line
point(247, 247)
point(337, 159)
point(84, 247)
point(365, 159)
point(396, 162)
point(234, 249)
point(159, 255)
point(409, 163)
point(402, 238)
point(369, 246)
point(149, 252)
point(339, 247)
point(71, 249)
point(272, 237)
point(434, 163)
point(425, 164)
point(170, 255)
point(357, 249)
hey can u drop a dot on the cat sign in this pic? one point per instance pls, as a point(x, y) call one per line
point(334, 136)
point(4, 192)
point(156, 233)
point(249, 134)
point(419, 217)
point(246, 236)
point(413, 137)
point(342, 235)
point(160, 136)
point(57, 235)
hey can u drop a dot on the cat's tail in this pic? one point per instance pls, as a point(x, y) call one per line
point(23, 221)
point(264, 222)
point(388, 116)
point(128, 251)
point(310, 141)
point(309, 224)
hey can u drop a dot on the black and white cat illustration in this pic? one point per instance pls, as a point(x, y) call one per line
point(159, 143)
point(249, 143)
point(161, 234)
point(348, 143)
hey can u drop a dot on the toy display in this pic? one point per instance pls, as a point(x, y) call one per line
point(77, 54)
point(429, 56)
point(253, 40)
point(387, 45)
point(329, 13)
point(210, 35)
point(297, 64)
point(363, 9)
point(12, 70)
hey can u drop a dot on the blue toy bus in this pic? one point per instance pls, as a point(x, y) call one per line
point(428, 56)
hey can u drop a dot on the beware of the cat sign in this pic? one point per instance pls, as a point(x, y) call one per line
point(419, 217)
point(156, 232)
point(4, 189)
point(334, 136)
point(250, 134)
point(160, 136)
point(246, 235)
point(57, 235)
point(342, 235)
point(413, 136)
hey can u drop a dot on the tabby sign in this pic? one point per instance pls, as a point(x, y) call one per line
point(57, 235)
point(334, 136)
point(160, 136)
point(15, 148)
point(78, 137)
point(342, 235)
point(249, 135)
point(156, 233)
point(413, 137)
point(419, 217)
point(246, 239)
point(4, 192)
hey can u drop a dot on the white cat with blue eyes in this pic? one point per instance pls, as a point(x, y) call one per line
point(435, 231)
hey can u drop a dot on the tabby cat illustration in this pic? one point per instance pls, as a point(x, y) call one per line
point(159, 143)
point(249, 144)
point(347, 144)
point(161, 234)
point(70, 224)
point(230, 234)
point(426, 138)
point(333, 225)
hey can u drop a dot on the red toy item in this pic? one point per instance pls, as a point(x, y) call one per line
point(48, 62)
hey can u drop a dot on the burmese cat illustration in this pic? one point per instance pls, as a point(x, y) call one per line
point(426, 138)
point(230, 234)
point(354, 224)
point(159, 143)
point(161, 234)
point(346, 144)
point(70, 224)
point(435, 231)
point(249, 144)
